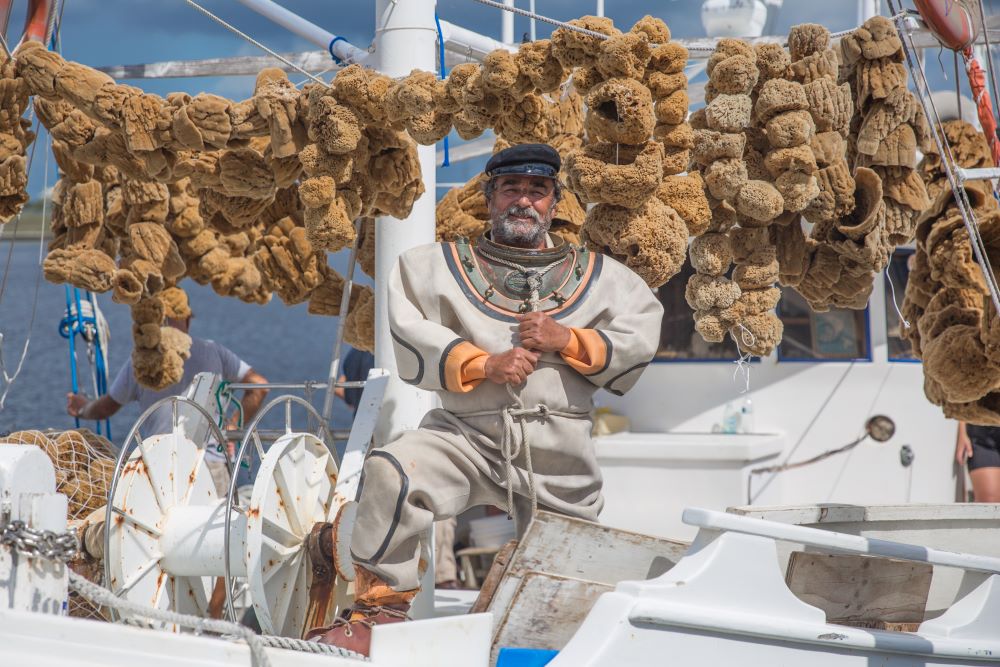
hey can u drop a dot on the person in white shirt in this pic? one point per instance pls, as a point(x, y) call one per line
point(206, 356)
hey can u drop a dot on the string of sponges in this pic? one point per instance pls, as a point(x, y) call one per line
point(954, 328)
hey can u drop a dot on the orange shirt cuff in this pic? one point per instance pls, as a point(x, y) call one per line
point(464, 368)
point(586, 351)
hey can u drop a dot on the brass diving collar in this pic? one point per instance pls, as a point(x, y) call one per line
point(525, 256)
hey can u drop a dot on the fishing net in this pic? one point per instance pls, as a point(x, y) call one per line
point(84, 463)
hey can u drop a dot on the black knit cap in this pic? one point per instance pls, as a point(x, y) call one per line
point(526, 159)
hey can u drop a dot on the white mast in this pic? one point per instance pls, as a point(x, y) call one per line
point(405, 39)
point(507, 24)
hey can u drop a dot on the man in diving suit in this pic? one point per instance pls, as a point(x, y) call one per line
point(515, 332)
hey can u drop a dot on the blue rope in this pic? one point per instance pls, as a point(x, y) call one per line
point(73, 323)
point(329, 48)
point(444, 71)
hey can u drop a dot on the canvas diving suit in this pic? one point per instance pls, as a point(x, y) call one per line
point(451, 305)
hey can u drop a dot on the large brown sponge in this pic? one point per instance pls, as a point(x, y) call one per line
point(651, 240)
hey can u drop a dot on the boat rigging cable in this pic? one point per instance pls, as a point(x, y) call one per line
point(274, 54)
point(569, 26)
point(922, 87)
point(30, 31)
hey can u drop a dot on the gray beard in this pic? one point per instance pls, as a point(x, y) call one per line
point(509, 232)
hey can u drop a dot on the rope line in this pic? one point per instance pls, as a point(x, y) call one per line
point(274, 54)
point(103, 597)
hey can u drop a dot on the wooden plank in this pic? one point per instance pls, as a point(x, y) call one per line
point(861, 590)
point(569, 547)
point(546, 611)
point(497, 570)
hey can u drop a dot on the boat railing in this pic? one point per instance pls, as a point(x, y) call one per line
point(838, 542)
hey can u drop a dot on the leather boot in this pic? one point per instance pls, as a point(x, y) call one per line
point(375, 602)
point(353, 629)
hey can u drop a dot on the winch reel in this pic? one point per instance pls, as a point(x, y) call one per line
point(168, 533)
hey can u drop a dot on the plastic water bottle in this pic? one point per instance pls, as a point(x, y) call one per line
point(746, 417)
point(730, 419)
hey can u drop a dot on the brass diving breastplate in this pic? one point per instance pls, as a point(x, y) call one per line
point(519, 280)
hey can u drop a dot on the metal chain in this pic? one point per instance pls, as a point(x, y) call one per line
point(48, 544)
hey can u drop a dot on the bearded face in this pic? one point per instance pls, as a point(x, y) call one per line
point(521, 210)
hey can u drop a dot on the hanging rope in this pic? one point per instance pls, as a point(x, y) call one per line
point(984, 106)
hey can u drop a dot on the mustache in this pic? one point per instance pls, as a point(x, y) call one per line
point(520, 212)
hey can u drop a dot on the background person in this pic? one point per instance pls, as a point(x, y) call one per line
point(206, 356)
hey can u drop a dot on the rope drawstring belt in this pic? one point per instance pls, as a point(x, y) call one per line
point(510, 446)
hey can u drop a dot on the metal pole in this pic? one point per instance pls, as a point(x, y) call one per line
point(306, 29)
point(507, 24)
point(345, 301)
point(600, 8)
point(531, 7)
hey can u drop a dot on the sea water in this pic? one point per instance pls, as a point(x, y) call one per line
point(283, 343)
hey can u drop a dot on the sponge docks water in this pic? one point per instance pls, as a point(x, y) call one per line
point(722, 541)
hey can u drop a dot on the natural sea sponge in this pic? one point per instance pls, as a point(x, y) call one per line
point(624, 55)
point(772, 61)
point(876, 38)
point(797, 158)
point(679, 135)
point(869, 209)
point(830, 105)
point(327, 297)
point(956, 359)
point(727, 47)
point(875, 79)
point(287, 261)
point(651, 241)
point(536, 62)
point(709, 146)
point(686, 195)
point(751, 245)
point(836, 197)
point(664, 85)
point(828, 147)
point(335, 127)
point(667, 58)
point(806, 39)
point(728, 113)
point(816, 66)
point(792, 252)
point(86, 268)
point(575, 49)
point(756, 276)
point(759, 200)
point(616, 174)
point(725, 178)
point(672, 108)
point(736, 75)
point(758, 334)
point(654, 29)
point(711, 254)
point(500, 71)
point(586, 78)
point(526, 121)
point(621, 111)
point(797, 189)
point(704, 292)
point(359, 326)
point(778, 96)
point(755, 301)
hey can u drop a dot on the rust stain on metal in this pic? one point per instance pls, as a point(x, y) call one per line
point(253, 512)
point(119, 519)
point(191, 477)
